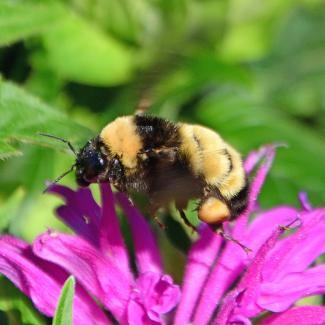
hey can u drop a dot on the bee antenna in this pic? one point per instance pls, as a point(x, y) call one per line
point(60, 177)
point(61, 139)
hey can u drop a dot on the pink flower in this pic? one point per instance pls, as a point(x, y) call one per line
point(221, 285)
point(271, 278)
point(97, 256)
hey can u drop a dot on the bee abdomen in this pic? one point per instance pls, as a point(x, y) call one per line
point(205, 150)
point(235, 180)
point(239, 202)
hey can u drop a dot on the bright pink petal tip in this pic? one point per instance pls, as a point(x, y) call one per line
point(305, 204)
point(80, 212)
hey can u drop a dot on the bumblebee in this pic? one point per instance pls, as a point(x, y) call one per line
point(167, 162)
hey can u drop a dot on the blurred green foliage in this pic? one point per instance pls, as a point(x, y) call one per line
point(252, 70)
point(18, 308)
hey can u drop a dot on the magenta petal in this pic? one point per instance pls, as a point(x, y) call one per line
point(303, 197)
point(265, 223)
point(261, 174)
point(146, 249)
point(137, 315)
point(221, 277)
point(81, 226)
point(233, 258)
point(111, 239)
point(81, 213)
point(253, 158)
point(200, 259)
point(89, 312)
point(278, 296)
point(267, 153)
point(82, 200)
point(23, 272)
point(297, 251)
point(157, 293)
point(310, 315)
point(239, 320)
point(250, 283)
point(229, 303)
point(96, 273)
point(33, 277)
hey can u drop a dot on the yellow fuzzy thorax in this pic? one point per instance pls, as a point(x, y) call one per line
point(121, 138)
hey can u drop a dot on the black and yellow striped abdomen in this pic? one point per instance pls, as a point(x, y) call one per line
point(213, 159)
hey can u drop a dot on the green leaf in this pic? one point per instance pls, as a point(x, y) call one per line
point(19, 19)
point(6, 150)
point(63, 313)
point(79, 51)
point(250, 25)
point(9, 208)
point(292, 76)
point(24, 116)
point(11, 299)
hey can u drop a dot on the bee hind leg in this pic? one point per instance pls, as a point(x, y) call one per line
point(218, 229)
point(215, 212)
point(185, 219)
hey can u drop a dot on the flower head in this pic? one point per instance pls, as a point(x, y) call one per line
point(97, 256)
point(271, 278)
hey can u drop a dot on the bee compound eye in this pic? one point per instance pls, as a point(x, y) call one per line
point(79, 172)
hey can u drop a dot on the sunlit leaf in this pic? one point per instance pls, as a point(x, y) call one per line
point(20, 19)
point(80, 51)
point(24, 116)
point(63, 313)
point(9, 208)
point(293, 74)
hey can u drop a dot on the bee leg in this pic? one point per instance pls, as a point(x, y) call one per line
point(185, 219)
point(153, 208)
point(220, 231)
point(163, 154)
point(213, 210)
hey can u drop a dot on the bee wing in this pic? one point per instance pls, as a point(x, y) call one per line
point(167, 63)
point(174, 183)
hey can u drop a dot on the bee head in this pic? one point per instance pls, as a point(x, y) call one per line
point(91, 163)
